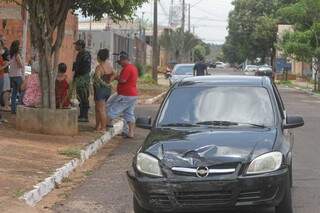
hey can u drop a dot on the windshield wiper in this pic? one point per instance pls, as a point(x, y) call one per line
point(179, 125)
point(218, 123)
point(229, 123)
point(255, 125)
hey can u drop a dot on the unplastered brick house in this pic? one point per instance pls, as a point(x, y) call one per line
point(12, 20)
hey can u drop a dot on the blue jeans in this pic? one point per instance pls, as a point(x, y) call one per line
point(16, 83)
point(122, 105)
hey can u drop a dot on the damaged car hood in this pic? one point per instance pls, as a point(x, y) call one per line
point(208, 147)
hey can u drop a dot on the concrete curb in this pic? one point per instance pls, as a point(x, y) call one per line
point(46, 186)
point(154, 99)
point(307, 91)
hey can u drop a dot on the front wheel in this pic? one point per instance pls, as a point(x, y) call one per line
point(286, 204)
point(137, 208)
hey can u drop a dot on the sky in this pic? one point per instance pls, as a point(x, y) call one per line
point(209, 17)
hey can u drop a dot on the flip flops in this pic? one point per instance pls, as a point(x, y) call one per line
point(126, 136)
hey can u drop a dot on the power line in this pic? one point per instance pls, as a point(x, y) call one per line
point(195, 4)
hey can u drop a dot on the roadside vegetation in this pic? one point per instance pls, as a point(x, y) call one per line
point(71, 153)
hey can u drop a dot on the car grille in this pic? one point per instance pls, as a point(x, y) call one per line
point(203, 198)
point(249, 196)
point(160, 200)
point(210, 198)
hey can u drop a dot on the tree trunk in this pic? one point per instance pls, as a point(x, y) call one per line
point(273, 59)
point(46, 19)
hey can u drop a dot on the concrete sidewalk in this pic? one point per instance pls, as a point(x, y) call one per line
point(304, 86)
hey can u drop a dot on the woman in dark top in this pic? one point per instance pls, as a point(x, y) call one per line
point(102, 89)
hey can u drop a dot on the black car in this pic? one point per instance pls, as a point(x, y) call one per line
point(218, 142)
point(265, 70)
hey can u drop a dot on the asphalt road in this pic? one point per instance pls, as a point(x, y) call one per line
point(107, 191)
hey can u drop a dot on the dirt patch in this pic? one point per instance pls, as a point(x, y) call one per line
point(27, 159)
point(149, 90)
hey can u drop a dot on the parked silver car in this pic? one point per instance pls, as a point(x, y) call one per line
point(181, 71)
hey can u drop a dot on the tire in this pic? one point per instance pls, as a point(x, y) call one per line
point(291, 175)
point(137, 208)
point(286, 204)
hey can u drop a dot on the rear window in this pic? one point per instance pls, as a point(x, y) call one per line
point(184, 70)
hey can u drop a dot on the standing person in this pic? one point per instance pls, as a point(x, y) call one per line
point(3, 66)
point(16, 73)
point(200, 68)
point(127, 95)
point(62, 87)
point(82, 68)
point(102, 89)
point(32, 88)
point(6, 80)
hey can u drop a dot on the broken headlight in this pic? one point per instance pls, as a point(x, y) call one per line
point(265, 163)
point(148, 165)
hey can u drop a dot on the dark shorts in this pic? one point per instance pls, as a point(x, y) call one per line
point(102, 93)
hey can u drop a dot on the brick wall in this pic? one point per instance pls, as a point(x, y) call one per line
point(14, 30)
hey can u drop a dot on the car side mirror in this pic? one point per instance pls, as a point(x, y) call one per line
point(144, 122)
point(293, 122)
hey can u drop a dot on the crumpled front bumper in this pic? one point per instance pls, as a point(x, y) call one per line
point(211, 193)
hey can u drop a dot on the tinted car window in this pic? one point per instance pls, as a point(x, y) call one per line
point(236, 104)
point(184, 70)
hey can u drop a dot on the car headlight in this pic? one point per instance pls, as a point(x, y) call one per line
point(265, 163)
point(148, 165)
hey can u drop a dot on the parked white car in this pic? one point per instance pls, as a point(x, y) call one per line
point(251, 69)
point(220, 65)
point(181, 71)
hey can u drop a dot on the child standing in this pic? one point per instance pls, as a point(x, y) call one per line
point(62, 87)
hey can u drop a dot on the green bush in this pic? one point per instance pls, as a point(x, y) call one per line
point(286, 82)
point(147, 79)
point(141, 69)
point(148, 69)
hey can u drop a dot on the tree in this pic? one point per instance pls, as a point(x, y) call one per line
point(178, 44)
point(47, 24)
point(253, 30)
point(215, 52)
point(304, 43)
point(199, 52)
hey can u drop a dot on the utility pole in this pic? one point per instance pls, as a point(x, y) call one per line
point(183, 15)
point(143, 26)
point(171, 14)
point(189, 18)
point(155, 52)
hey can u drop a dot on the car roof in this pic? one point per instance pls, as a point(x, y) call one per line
point(222, 80)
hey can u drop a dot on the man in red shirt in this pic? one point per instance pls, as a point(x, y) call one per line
point(127, 94)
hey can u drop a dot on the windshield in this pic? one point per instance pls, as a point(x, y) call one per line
point(184, 70)
point(194, 105)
